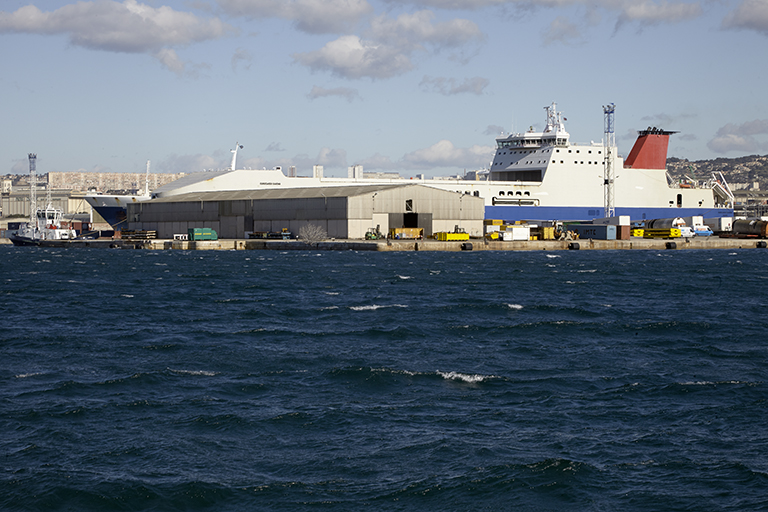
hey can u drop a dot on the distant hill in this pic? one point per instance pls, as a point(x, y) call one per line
point(740, 170)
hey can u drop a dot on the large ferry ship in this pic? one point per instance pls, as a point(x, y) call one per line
point(113, 208)
point(533, 176)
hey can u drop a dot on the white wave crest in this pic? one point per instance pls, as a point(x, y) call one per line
point(376, 306)
point(553, 255)
point(711, 383)
point(193, 372)
point(404, 277)
point(514, 306)
point(472, 379)
point(25, 375)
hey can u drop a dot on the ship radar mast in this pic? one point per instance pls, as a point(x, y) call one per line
point(554, 120)
point(609, 141)
point(234, 155)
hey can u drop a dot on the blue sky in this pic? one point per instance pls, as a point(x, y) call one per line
point(421, 86)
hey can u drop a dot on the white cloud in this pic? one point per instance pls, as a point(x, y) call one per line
point(732, 137)
point(644, 12)
point(449, 87)
point(750, 15)
point(649, 12)
point(312, 16)
point(412, 30)
point(386, 51)
point(445, 154)
point(351, 57)
point(344, 92)
point(169, 60)
point(128, 26)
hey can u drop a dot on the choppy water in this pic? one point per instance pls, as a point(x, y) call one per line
point(137, 380)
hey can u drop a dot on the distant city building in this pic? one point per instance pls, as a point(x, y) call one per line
point(16, 203)
point(355, 172)
point(131, 182)
point(382, 175)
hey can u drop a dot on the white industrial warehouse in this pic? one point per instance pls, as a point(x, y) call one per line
point(344, 212)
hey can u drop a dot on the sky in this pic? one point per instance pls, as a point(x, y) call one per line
point(408, 86)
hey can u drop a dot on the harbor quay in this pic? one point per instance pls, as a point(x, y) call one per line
point(427, 245)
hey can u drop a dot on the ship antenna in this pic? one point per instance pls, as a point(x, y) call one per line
point(234, 155)
point(608, 143)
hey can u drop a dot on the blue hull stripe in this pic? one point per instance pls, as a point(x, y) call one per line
point(584, 213)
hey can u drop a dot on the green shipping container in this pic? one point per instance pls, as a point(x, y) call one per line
point(202, 234)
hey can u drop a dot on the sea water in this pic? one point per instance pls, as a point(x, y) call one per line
point(260, 380)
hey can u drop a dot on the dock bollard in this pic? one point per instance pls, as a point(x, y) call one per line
point(761, 245)
point(671, 245)
point(573, 246)
point(466, 246)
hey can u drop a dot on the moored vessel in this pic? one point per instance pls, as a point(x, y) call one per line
point(112, 208)
point(536, 175)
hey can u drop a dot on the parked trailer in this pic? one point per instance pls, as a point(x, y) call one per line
point(662, 233)
point(451, 237)
point(406, 233)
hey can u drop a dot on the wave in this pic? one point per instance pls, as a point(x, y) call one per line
point(466, 377)
point(374, 307)
point(193, 372)
point(392, 375)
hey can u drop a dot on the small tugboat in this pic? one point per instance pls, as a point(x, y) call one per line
point(44, 229)
point(44, 226)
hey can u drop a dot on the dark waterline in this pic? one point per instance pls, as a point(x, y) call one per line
point(140, 380)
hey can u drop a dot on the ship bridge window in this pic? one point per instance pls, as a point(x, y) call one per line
point(527, 193)
point(518, 193)
point(501, 192)
point(477, 193)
